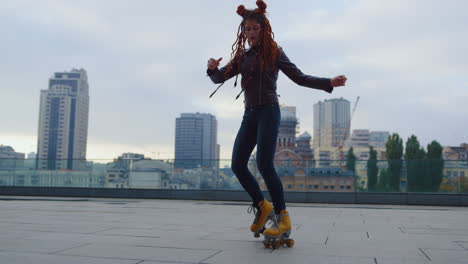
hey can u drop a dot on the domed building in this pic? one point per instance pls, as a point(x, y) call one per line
point(292, 151)
point(295, 163)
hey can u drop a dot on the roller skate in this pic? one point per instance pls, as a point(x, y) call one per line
point(278, 235)
point(263, 212)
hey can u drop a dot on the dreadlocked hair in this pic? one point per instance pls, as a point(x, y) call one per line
point(268, 48)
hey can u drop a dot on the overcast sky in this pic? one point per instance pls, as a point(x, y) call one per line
point(146, 63)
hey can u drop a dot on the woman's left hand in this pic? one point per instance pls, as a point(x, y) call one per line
point(338, 81)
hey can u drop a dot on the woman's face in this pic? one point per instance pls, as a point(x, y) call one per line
point(252, 31)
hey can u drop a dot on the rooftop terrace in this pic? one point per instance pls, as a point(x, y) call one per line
point(102, 230)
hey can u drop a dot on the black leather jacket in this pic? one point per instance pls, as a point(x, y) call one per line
point(260, 86)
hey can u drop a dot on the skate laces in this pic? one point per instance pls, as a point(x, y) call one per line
point(276, 219)
point(257, 212)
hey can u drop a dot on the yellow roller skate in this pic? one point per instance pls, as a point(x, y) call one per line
point(263, 213)
point(278, 235)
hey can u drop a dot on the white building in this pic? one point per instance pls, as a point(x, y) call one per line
point(148, 174)
point(63, 122)
point(10, 159)
point(359, 138)
point(378, 139)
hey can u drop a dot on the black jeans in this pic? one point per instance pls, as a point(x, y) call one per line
point(259, 127)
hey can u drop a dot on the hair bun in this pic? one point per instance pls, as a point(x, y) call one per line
point(241, 10)
point(261, 6)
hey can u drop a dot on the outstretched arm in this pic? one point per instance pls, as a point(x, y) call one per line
point(219, 75)
point(296, 75)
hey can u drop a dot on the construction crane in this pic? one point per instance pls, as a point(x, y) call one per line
point(345, 139)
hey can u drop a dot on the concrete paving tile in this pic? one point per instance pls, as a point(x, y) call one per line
point(177, 241)
point(26, 258)
point(131, 232)
point(141, 252)
point(437, 231)
point(268, 257)
point(36, 245)
point(462, 244)
point(75, 228)
point(15, 234)
point(401, 260)
point(451, 256)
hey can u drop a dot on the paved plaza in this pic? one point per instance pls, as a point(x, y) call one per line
point(56, 230)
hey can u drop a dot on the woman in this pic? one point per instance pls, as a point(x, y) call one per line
point(259, 66)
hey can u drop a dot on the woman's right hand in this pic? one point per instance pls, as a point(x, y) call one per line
point(213, 64)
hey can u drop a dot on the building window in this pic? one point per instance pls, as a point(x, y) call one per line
point(326, 186)
point(348, 187)
point(290, 186)
point(301, 185)
point(310, 186)
point(462, 174)
point(333, 187)
point(449, 173)
point(316, 186)
point(455, 174)
point(342, 187)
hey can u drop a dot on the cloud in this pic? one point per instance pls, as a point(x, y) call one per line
point(146, 64)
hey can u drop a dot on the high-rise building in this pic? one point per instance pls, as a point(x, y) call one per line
point(378, 139)
point(63, 122)
point(331, 123)
point(359, 138)
point(196, 141)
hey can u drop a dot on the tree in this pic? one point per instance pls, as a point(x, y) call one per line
point(351, 165)
point(351, 160)
point(383, 181)
point(372, 170)
point(425, 170)
point(463, 185)
point(435, 166)
point(394, 148)
point(415, 164)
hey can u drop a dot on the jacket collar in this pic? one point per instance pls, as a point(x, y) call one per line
point(252, 48)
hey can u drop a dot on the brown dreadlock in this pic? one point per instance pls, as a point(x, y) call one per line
point(268, 51)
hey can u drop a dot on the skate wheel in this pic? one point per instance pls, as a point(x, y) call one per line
point(276, 244)
point(289, 243)
point(266, 244)
point(256, 235)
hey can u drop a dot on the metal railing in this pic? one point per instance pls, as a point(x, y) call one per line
point(431, 176)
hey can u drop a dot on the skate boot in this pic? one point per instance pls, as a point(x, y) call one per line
point(278, 234)
point(263, 212)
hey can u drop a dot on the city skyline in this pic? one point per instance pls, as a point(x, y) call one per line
point(399, 57)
